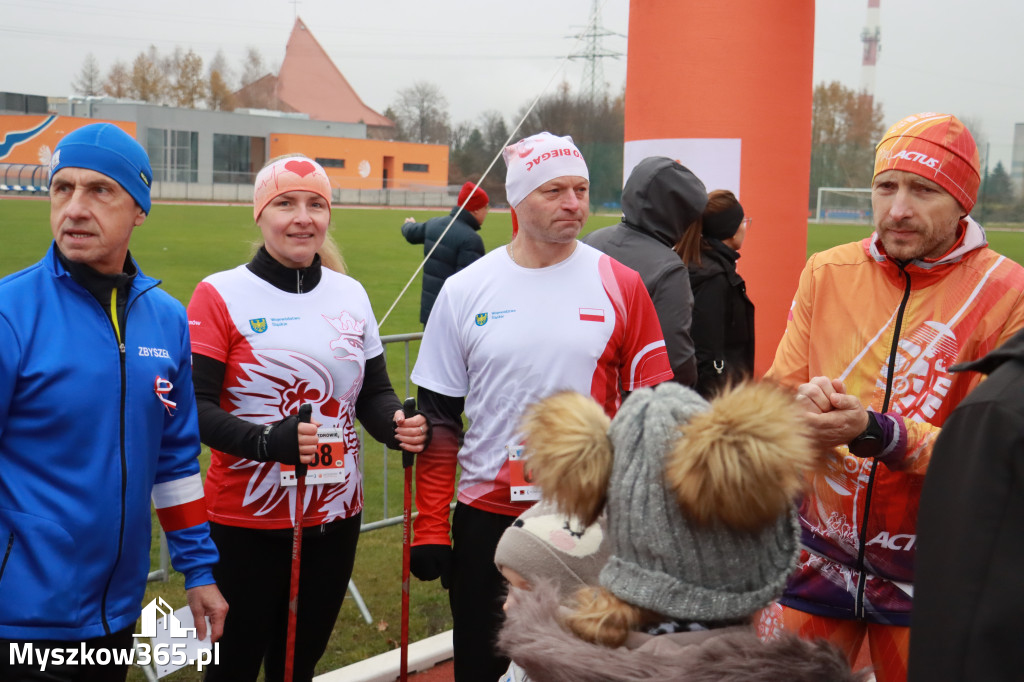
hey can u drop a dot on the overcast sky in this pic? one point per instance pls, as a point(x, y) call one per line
point(943, 55)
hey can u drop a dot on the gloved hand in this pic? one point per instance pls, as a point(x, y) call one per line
point(279, 441)
point(430, 562)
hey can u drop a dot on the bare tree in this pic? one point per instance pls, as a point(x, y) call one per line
point(89, 82)
point(597, 126)
point(252, 67)
point(219, 63)
point(421, 114)
point(147, 78)
point(974, 125)
point(188, 87)
point(119, 80)
point(471, 150)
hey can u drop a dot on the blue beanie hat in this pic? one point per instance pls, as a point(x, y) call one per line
point(105, 148)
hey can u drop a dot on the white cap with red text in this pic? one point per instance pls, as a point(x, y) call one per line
point(537, 159)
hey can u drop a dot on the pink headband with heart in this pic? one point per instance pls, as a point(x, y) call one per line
point(290, 174)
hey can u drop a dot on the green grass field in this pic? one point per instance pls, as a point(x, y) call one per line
point(181, 244)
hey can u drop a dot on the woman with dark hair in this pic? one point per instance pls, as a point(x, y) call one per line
point(723, 315)
point(283, 330)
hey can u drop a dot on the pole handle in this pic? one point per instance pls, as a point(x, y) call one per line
point(305, 416)
point(408, 409)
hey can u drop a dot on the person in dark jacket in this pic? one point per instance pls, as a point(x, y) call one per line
point(661, 199)
point(723, 315)
point(968, 597)
point(460, 246)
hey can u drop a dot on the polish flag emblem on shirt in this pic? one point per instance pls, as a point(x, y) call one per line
point(591, 314)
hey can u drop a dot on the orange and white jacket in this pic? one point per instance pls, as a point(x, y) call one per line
point(890, 333)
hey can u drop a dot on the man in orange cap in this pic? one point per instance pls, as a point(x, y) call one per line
point(873, 330)
point(460, 246)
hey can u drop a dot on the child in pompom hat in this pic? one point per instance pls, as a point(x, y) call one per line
point(545, 546)
point(701, 529)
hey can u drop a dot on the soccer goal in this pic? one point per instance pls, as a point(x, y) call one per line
point(843, 205)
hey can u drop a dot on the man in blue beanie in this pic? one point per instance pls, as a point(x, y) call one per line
point(97, 417)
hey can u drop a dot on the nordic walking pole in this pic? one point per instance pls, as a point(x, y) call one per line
point(305, 415)
point(409, 409)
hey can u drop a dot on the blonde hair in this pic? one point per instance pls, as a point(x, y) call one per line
point(599, 617)
point(330, 254)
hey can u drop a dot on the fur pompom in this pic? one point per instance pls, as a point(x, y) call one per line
point(744, 461)
point(568, 452)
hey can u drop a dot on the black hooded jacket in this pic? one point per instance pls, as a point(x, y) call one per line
point(968, 595)
point(460, 247)
point(661, 198)
point(723, 320)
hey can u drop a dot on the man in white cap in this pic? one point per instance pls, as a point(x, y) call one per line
point(546, 313)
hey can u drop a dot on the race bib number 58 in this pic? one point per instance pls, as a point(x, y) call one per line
point(328, 464)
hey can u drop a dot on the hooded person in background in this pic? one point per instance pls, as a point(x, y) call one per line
point(874, 328)
point(542, 314)
point(702, 534)
point(723, 315)
point(97, 418)
point(660, 200)
point(460, 245)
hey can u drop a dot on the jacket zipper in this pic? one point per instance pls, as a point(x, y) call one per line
point(7, 554)
point(119, 335)
point(861, 584)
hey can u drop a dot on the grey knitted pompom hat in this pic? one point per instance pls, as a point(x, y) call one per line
point(663, 558)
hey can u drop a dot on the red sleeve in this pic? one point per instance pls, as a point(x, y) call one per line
point(435, 488)
point(209, 323)
point(644, 356)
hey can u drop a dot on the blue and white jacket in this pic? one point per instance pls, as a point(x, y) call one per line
point(92, 428)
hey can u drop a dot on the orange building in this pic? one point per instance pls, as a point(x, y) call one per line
point(370, 164)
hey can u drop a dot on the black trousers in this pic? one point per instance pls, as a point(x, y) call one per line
point(31, 672)
point(253, 574)
point(476, 594)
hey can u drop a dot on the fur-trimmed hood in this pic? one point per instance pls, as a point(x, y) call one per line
point(534, 638)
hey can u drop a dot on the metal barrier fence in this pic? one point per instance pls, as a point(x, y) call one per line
point(20, 178)
point(163, 572)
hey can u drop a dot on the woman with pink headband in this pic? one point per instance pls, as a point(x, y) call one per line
point(267, 337)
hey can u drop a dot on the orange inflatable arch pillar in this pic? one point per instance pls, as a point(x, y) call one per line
point(726, 89)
